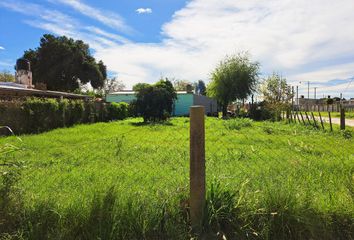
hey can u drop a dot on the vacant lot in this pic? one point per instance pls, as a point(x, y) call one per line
point(127, 180)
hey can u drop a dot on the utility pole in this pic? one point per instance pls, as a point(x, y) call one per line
point(292, 98)
point(315, 92)
point(297, 96)
point(308, 95)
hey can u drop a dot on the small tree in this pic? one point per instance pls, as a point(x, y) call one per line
point(6, 76)
point(113, 85)
point(277, 94)
point(235, 78)
point(155, 102)
point(200, 88)
point(181, 85)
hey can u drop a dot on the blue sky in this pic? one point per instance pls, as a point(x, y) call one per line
point(141, 40)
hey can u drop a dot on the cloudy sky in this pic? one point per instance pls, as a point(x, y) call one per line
point(141, 40)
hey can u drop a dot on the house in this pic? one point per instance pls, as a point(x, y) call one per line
point(181, 106)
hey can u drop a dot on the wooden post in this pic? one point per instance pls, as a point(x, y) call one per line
point(302, 117)
point(197, 168)
point(314, 120)
point(308, 119)
point(342, 118)
point(298, 118)
point(319, 113)
point(330, 121)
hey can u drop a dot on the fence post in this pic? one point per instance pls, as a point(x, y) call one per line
point(308, 119)
point(330, 121)
point(314, 120)
point(197, 167)
point(302, 117)
point(342, 118)
point(319, 113)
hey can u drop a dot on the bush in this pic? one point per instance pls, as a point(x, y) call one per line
point(117, 111)
point(155, 102)
point(35, 115)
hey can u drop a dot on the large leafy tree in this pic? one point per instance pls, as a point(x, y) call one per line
point(155, 102)
point(235, 78)
point(62, 63)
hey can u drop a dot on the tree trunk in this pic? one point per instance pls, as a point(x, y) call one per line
point(224, 110)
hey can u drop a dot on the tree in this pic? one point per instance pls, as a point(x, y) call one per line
point(60, 62)
point(113, 85)
point(6, 76)
point(277, 94)
point(235, 78)
point(155, 102)
point(200, 88)
point(182, 85)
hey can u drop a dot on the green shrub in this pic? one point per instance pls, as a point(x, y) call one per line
point(42, 114)
point(35, 115)
point(238, 123)
point(117, 111)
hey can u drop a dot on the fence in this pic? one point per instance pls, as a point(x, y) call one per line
point(316, 119)
point(235, 155)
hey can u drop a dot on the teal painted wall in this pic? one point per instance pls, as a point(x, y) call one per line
point(182, 104)
point(120, 98)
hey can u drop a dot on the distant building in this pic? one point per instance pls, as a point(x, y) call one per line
point(181, 106)
point(22, 87)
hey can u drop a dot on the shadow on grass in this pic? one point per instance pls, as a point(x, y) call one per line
point(161, 123)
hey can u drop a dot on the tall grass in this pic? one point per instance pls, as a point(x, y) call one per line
point(126, 180)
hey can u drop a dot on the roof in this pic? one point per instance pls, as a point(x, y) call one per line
point(15, 91)
point(128, 92)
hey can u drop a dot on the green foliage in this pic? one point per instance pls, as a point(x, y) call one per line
point(6, 76)
point(238, 123)
point(200, 88)
point(60, 62)
point(277, 95)
point(35, 115)
point(235, 78)
point(155, 102)
point(117, 111)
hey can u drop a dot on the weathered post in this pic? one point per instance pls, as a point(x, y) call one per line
point(314, 120)
point(308, 119)
point(298, 118)
point(319, 113)
point(302, 117)
point(330, 121)
point(342, 118)
point(197, 167)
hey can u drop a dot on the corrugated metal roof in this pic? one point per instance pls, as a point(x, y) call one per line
point(132, 92)
point(19, 91)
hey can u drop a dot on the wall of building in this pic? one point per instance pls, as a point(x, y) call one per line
point(128, 98)
point(211, 105)
point(182, 104)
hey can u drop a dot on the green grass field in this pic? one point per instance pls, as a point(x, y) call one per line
point(128, 180)
point(348, 115)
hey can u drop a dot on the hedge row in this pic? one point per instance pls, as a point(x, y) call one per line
point(34, 115)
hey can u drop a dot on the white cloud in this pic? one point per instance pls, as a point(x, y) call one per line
point(143, 10)
point(283, 35)
point(62, 24)
point(2, 48)
point(108, 18)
